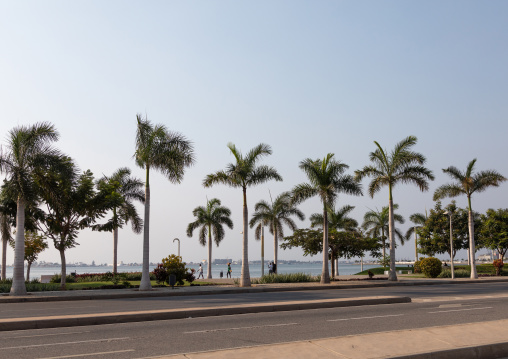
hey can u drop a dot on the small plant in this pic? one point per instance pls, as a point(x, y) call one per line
point(285, 278)
point(385, 262)
point(459, 273)
point(161, 274)
point(416, 266)
point(498, 264)
point(431, 267)
point(68, 279)
point(371, 275)
point(126, 284)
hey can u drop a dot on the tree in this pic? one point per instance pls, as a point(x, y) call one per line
point(211, 220)
point(494, 231)
point(29, 151)
point(418, 220)
point(34, 245)
point(376, 223)
point(123, 189)
point(5, 231)
point(168, 152)
point(326, 180)
point(338, 220)
point(468, 183)
point(243, 174)
point(402, 165)
point(275, 216)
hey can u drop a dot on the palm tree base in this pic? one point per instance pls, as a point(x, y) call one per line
point(18, 291)
point(392, 277)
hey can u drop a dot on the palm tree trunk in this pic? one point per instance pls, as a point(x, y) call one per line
point(245, 276)
point(4, 258)
point(115, 250)
point(325, 274)
point(392, 275)
point(28, 265)
point(333, 264)
point(275, 247)
point(474, 274)
point(416, 245)
point(145, 275)
point(384, 242)
point(64, 269)
point(209, 264)
point(18, 278)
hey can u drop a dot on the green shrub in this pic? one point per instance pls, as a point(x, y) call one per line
point(416, 266)
point(459, 273)
point(161, 274)
point(286, 278)
point(174, 265)
point(68, 279)
point(431, 267)
point(498, 264)
point(32, 287)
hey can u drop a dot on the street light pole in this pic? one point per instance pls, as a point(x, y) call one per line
point(449, 213)
point(176, 239)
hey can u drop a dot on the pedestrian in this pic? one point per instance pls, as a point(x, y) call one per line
point(270, 268)
point(228, 273)
point(200, 271)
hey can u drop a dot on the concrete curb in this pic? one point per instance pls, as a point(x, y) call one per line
point(487, 351)
point(170, 293)
point(126, 317)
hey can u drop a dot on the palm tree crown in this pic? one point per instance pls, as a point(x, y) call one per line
point(468, 183)
point(377, 224)
point(337, 219)
point(211, 220)
point(242, 174)
point(326, 180)
point(418, 220)
point(169, 153)
point(402, 165)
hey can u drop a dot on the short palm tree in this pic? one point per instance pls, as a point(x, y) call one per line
point(126, 188)
point(418, 220)
point(29, 152)
point(243, 174)
point(376, 223)
point(326, 180)
point(275, 216)
point(468, 183)
point(402, 165)
point(211, 220)
point(168, 152)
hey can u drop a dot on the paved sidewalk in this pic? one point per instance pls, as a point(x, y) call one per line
point(464, 341)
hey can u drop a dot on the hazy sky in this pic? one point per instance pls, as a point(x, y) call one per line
point(306, 77)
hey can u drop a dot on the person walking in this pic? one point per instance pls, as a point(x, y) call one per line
point(228, 273)
point(270, 268)
point(200, 271)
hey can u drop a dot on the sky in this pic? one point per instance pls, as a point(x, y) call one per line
point(306, 77)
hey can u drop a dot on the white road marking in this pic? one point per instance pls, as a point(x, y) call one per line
point(66, 343)
point(458, 310)
point(239, 328)
point(377, 316)
point(90, 354)
point(44, 335)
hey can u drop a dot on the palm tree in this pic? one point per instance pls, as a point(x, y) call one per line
point(377, 224)
point(402, 165)
point(468, 183)
point(418, 220)
point(29, 152)
point(211, 220)
point(126, 189)
point(242, 174)
point(274, 216)
point(338, 220)
point(327, 180)
point(168, 152)
point(5, 231)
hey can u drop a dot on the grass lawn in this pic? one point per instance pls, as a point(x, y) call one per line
point(381, 270)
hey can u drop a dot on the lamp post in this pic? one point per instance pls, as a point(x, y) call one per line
point(176, 239)
point(449, 214)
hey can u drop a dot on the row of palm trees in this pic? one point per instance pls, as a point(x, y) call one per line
point(30, 152)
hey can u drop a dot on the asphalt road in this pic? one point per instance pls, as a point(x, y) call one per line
point(433, 306)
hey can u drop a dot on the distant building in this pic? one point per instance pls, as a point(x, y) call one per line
point(222, 261)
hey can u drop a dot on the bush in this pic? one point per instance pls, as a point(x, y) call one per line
point(416, 266)
point(431, 267)
point(498, 264)
point(286, 278)
point(385, 262)
point(459, 273)
point(161, 274)
point(57, 278)
point(174, 265)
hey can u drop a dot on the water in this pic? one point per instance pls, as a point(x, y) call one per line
point(254, 269)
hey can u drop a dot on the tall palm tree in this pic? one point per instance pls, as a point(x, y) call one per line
point(402, 165)
point(326, 180)
point(377, 224)
point(169, 153)
point(468, 183)
point(418, 220)
point(242, 174)
point(125, 188)
point(5, 232)
point(275, 216)
point(211, 220)
point(29, 152)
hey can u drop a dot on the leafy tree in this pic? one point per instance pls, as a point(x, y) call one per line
point(494, 230)
point(376, 223)
point(326, 180)
point(29, 151)
point(243, 174)
point(418, 220)
point(274, 216)
point(211, 220)
point(122, 189)
point(468, 183)
point(168, 152)
point(402, 165)
point(34, 245)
